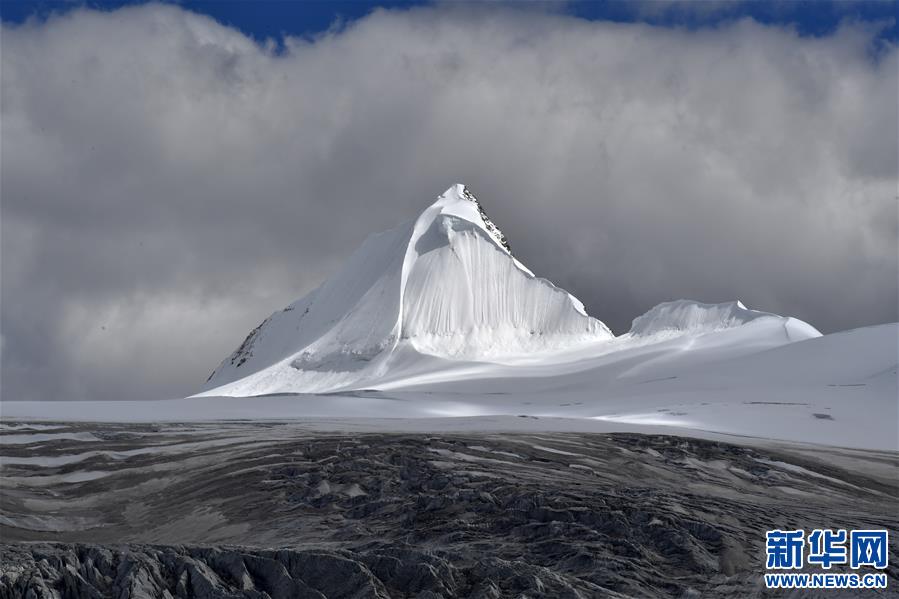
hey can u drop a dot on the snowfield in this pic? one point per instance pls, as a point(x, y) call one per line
point(435, 325)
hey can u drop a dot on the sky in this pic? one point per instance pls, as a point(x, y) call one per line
point(170, 174)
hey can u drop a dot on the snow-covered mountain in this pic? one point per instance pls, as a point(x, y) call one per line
point(684, 316)
point(444, 286)
point(440, 298)
point(438, 319)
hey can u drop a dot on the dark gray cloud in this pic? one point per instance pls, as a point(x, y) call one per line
point(167, 183)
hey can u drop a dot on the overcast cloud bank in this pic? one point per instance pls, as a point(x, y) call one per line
point(167, 182)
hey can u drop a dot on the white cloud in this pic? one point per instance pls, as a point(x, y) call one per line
point(160, 168)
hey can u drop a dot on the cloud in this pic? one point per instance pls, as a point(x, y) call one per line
point(167, 182)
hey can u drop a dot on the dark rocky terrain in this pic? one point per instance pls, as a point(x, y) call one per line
point(275, 510)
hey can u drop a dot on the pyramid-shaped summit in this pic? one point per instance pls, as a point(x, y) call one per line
point(444, 287)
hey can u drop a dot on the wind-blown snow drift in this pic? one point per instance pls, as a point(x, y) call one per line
point(443, 286)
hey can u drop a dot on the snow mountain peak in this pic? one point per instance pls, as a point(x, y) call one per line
point(460, 193)
point(687, 316)
point(442, 296)
point(444, 287)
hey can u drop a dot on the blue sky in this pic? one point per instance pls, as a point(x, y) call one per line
point(263, 19)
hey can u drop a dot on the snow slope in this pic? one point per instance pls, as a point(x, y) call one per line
point(837, 390)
